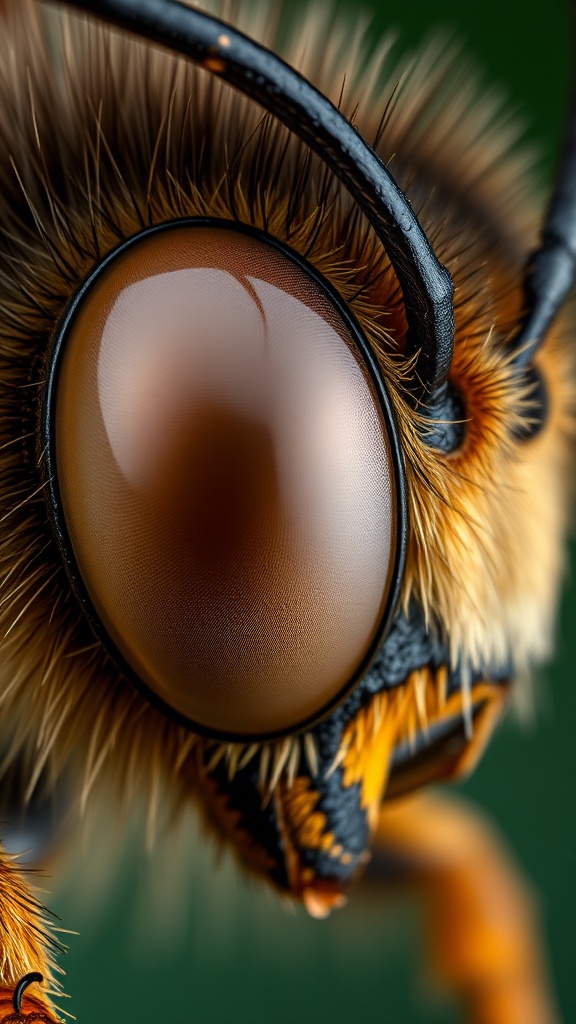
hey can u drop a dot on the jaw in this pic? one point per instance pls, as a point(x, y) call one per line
point(310, 833)
point(450, 746)
point(388, 749)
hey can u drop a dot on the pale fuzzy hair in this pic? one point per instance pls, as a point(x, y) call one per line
point(103, 136)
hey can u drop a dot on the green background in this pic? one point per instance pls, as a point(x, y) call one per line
point(162, 943)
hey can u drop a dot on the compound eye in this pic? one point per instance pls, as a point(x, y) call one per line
point(223, 479)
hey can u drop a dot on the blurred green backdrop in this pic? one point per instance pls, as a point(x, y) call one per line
point(218, 951)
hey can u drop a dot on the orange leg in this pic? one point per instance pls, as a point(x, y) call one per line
point(26, 949)
point(481, 922)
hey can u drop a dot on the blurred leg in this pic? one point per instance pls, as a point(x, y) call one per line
point(480, 920)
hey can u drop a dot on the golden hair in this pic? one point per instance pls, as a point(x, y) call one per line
point(105, 135)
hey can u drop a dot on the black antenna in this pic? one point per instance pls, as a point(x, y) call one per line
point(552, 268)
point(257, 72)
point(551, 271)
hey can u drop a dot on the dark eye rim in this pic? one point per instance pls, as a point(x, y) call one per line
point(56, 512)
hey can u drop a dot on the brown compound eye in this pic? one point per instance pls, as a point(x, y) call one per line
point(225, 478)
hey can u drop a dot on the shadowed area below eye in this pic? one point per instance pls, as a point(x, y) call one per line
point(226, 479)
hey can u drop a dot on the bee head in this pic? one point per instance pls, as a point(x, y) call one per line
point(283, 518)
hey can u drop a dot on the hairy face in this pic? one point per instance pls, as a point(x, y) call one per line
point(110, 138)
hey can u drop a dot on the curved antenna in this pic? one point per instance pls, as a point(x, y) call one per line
point(260, 74)
point(550, 274)
point(552, 268)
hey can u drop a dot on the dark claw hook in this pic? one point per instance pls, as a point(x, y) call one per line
point(21, 986)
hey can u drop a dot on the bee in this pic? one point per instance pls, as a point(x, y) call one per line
point(287, 418)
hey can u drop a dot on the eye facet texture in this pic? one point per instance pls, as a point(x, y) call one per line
point(226, 478)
